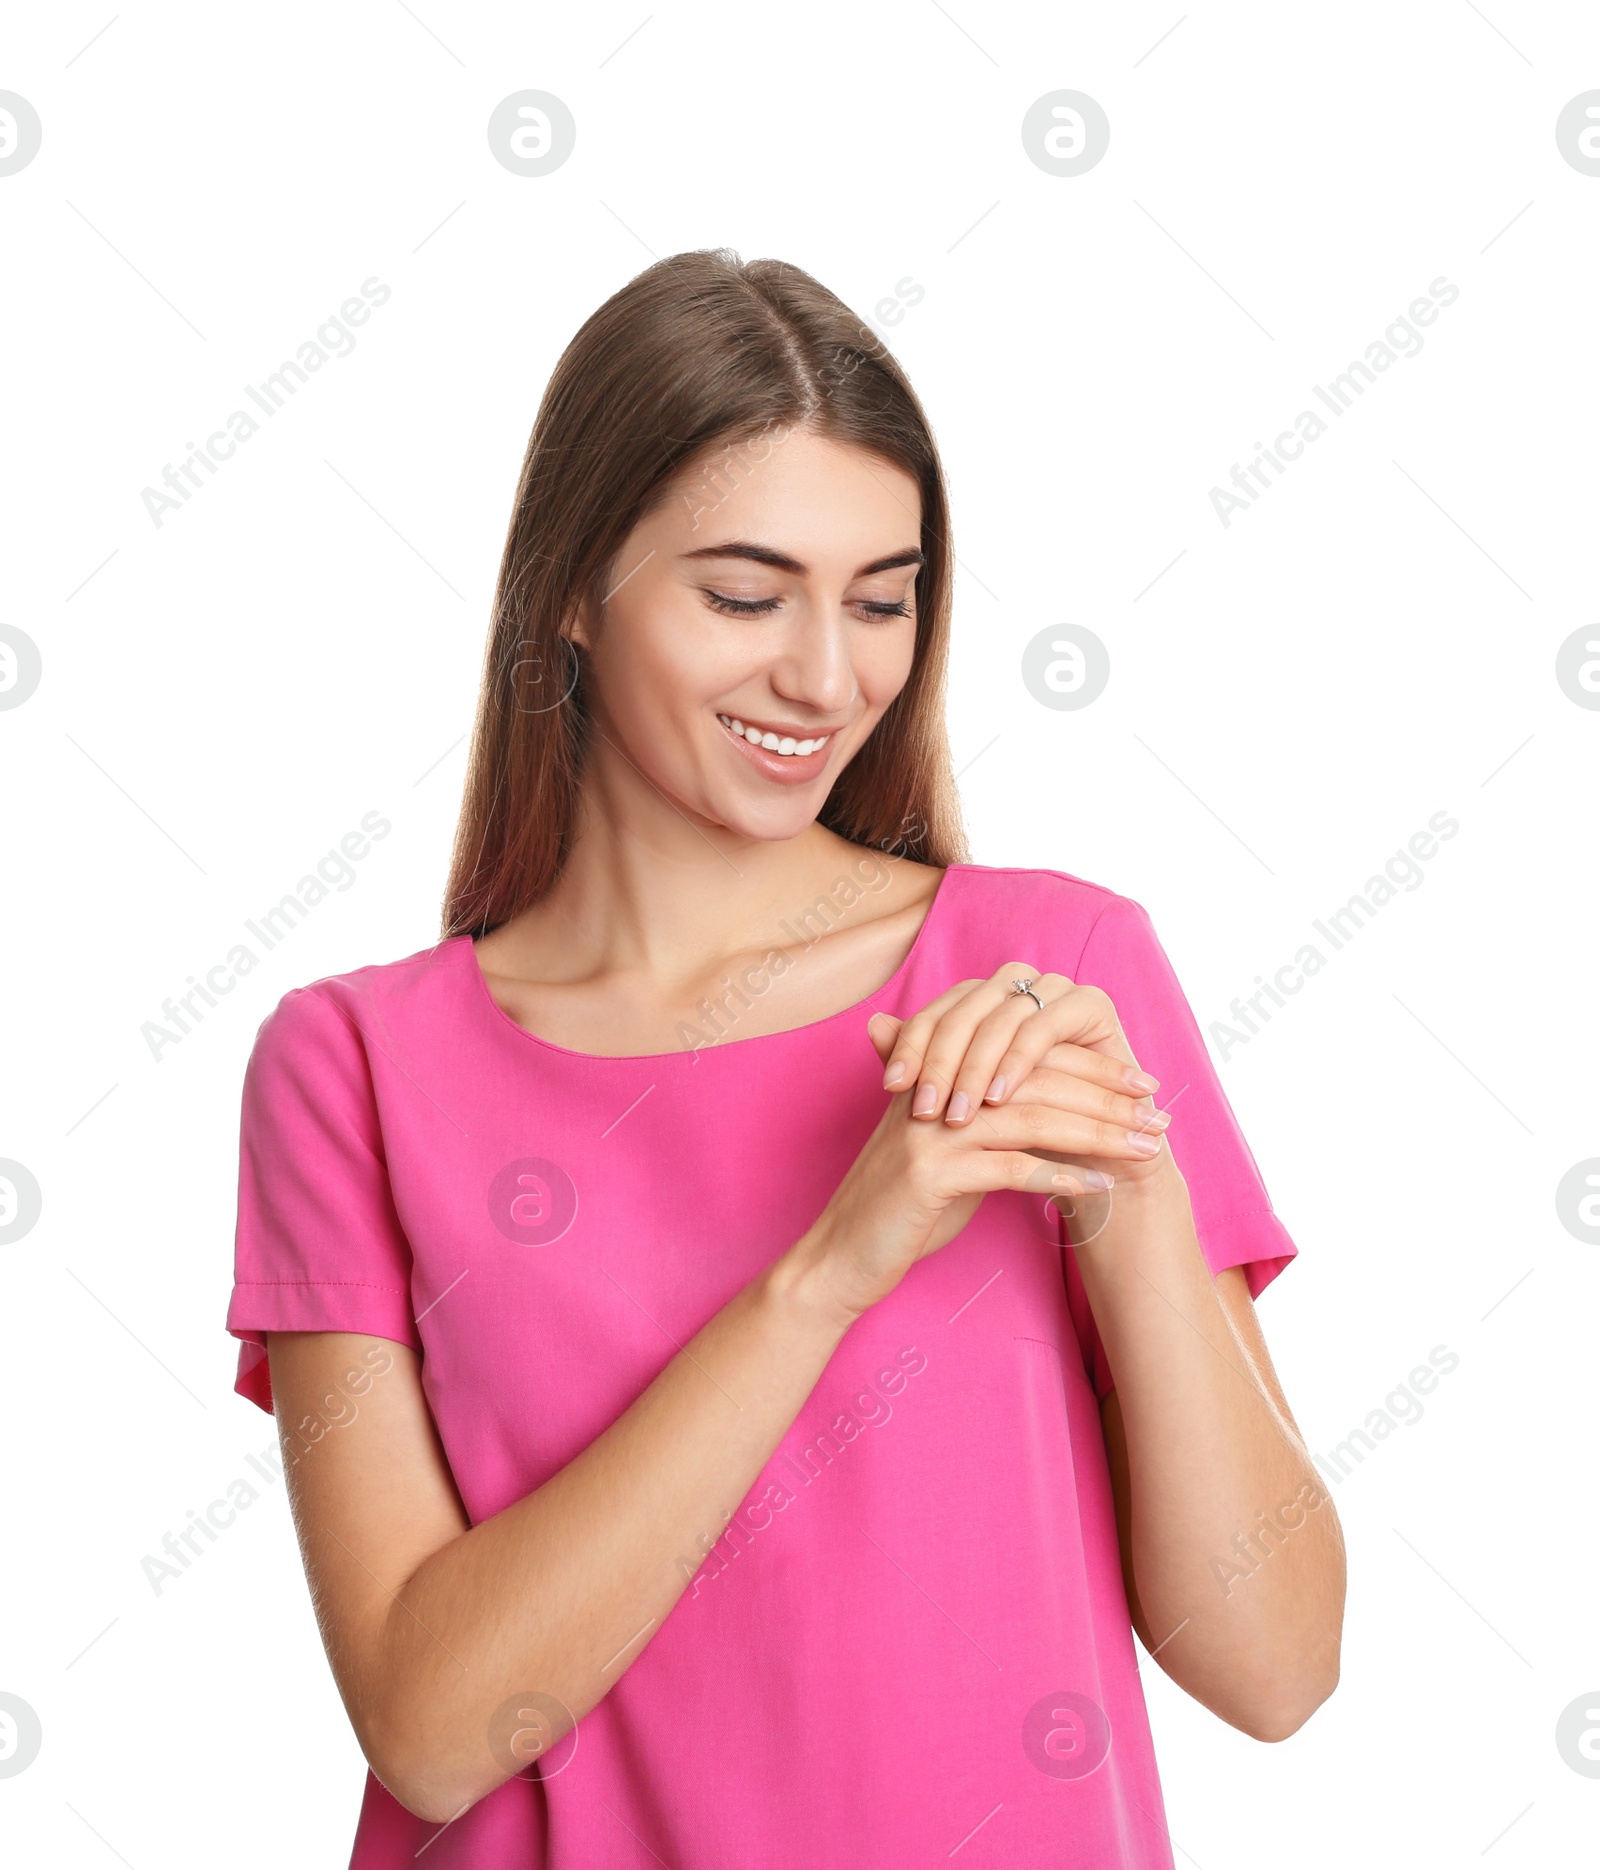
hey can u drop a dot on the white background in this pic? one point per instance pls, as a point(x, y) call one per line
point(1291, 698)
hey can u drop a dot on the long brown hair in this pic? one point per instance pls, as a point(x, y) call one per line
point(701, 352)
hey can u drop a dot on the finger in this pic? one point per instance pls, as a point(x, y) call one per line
point(1082, 1017)
point(953, 1036)
point(1003, 1028)
point(1041, 1127)
point(1064, 1056)
point(1083, 1096)
point(905, 1062)
point(883, 1029)
point(1097, 1069)
point(987, 1171)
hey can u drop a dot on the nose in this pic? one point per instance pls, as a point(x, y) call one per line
point(813, 667)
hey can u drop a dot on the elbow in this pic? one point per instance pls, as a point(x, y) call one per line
point(425, 1793)
point(438, 1774)
point(416, 1802)
point(1275, 1717)
point(434, 1812)
point(415, 1775)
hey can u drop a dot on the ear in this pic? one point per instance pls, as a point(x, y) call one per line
point(579, 624)
point(573, 628)
point(883, 1029)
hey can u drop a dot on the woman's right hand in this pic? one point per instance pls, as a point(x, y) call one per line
point(916, 1184)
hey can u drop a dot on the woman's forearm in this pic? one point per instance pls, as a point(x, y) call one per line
point(1237, 1554)
point(562, 1590)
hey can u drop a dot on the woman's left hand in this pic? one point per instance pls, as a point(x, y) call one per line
point(981, 1043)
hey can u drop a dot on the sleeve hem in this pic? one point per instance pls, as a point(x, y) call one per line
point(260, 1306)
point(1254, 1238)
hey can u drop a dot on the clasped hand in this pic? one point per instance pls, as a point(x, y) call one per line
point(990, 1091)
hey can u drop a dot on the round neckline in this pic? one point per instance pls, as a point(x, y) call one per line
point(468, 947)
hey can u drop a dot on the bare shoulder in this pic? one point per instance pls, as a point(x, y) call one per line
point(886, 886)
point(498, 951)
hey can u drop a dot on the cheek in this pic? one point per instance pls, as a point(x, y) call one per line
point(656, 652)
point(662, 664)
point(883, 662)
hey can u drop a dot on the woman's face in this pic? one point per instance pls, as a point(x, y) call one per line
point(770, 596)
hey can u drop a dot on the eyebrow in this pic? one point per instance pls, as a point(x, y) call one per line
point(781, 561)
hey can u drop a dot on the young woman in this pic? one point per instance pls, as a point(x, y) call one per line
point(746, 1341)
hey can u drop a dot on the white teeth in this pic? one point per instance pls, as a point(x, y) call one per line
point(786, 745)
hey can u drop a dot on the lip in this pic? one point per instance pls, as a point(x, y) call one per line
point(791, 769)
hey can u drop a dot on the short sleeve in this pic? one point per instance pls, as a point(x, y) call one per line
point(318, 1245)
point(1233, 1215)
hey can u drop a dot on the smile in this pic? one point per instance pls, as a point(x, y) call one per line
point(784, 745)
point(787, 759)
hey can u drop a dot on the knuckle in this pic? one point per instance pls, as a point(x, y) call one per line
point(921, 1172)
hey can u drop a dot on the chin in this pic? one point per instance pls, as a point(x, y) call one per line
point(784, 818)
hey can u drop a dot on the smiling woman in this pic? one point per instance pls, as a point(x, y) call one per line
point(734, 629)
point(723, 1057)
point(710, 358)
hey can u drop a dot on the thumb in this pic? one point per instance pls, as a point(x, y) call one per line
point(883, 1029)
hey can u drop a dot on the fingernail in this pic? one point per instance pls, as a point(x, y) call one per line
point(927, 1097)
point(1094, 1178)
point(1142, 1082)
point(1145, 1144)
point(894, 1074)
point(959, 1106)
point(995, 1092)
point(1157, 1119)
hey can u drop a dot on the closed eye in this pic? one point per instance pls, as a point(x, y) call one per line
point(741, 606)
point(763, 606)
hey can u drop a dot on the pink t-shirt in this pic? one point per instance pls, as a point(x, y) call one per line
point(913, 1634)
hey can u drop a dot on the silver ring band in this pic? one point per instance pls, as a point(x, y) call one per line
point(1026, 986)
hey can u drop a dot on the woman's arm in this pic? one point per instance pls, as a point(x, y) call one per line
point(432, 1626)
point(1232, 1551)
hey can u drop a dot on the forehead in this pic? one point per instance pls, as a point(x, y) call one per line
point(796, 491)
